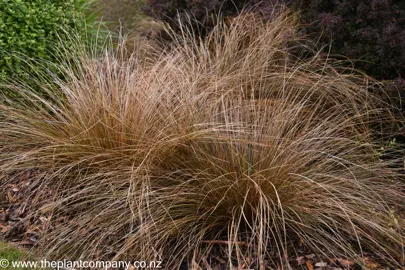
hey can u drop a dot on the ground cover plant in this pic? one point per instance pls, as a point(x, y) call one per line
point(12, 253)
point(228, 139)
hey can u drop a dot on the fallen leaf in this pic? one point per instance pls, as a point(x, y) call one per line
point(5, 229)
point(27, 242)
point(309, 265)
point(10, 197)
point(301, 260)
point(3, 216)
point(369, 263)
point(321, 264)
point(35, 230)
point(45, 219)
point(342, 262)
point(310, 256)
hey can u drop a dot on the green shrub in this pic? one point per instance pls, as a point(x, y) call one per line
point(33, 30)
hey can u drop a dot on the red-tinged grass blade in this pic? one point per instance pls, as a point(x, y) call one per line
point(231, 138)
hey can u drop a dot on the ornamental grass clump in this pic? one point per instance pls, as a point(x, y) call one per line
point(228, 139)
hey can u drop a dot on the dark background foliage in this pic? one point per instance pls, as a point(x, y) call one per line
point(372, 32)
point(369, 32)
point(206, 13)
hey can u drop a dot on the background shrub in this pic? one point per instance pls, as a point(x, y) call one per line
point(32, 29)
point(123, 15)
point(370, 31)
point(205, 13)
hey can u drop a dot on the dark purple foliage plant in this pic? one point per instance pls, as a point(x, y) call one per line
point(371, 32)
point(366, 34)
point(204, 15)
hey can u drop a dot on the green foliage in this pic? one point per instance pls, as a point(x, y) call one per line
point(33, 29)
point(12, 254)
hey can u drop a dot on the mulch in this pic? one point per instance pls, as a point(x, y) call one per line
point(22, 223)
